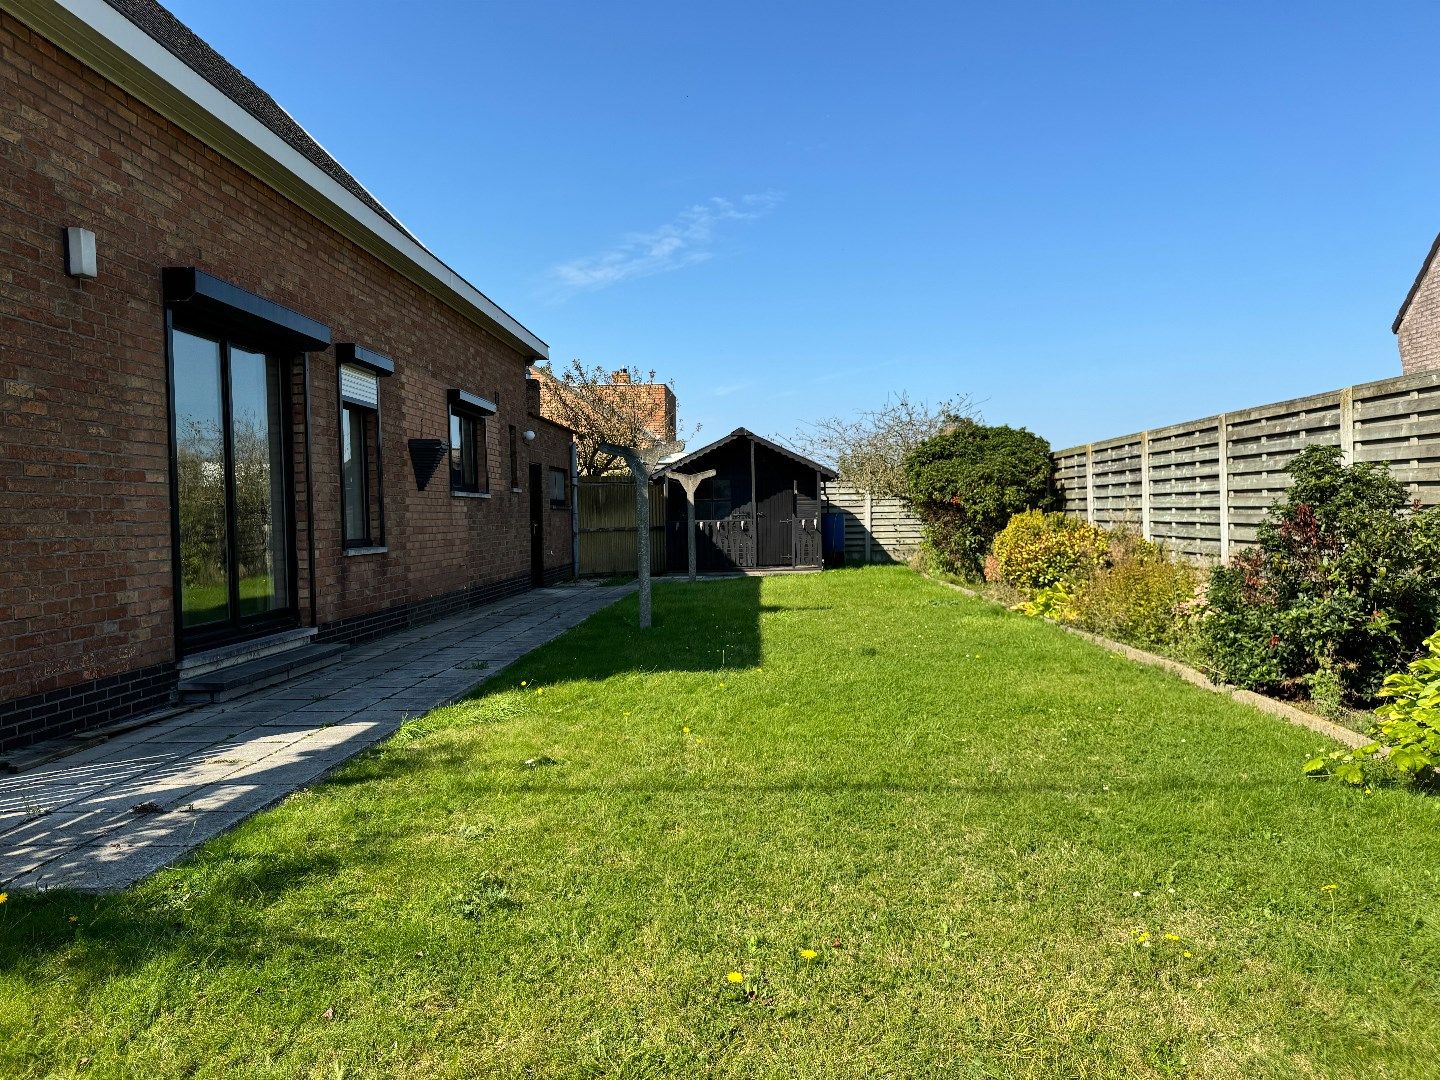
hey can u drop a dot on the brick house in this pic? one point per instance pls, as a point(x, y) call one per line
point(242, 409)
point(651, 400)
point(1417, 325)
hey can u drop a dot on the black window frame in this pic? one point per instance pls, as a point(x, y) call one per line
point(366, 362)
point(474, 422)
point(359, 418)
point(564, 501)
point(514, 459)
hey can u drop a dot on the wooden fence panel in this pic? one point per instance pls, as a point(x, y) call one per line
point(877, 530)
point(1203, 486)
point(607, 526)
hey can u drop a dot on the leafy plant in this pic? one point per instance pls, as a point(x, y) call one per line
point(1408, 724)
point(1344, 578)
point(485, 895)
point(968, 481)
point(1037, 550)
point(1052, 602)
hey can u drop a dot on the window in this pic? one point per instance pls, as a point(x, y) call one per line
point(514, 460)
point(360, 488)
point(469, 455)
point(712, 499)
point(468, 471)
point(557, 488)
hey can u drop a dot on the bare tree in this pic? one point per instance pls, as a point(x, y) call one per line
point(868, 450)
point(604, 406)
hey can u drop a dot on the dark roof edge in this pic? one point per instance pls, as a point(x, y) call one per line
point(745, 433)
point(1415, 287)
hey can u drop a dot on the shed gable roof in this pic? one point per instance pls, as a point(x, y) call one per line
point(743, 433)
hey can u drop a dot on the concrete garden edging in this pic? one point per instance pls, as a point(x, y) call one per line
point(1289, 713)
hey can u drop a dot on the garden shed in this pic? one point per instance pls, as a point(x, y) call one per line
point(761, 509)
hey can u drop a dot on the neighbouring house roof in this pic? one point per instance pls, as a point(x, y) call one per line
point(179, 39)
point(147, 52)
point(742, 433)
point(1415, 286)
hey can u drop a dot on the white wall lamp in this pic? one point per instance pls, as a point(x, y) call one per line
point(80, 253)
point(529, 436)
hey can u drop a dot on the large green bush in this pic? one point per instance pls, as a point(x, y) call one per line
point(966, 482)
point(1037, 549)
point(1341, 588)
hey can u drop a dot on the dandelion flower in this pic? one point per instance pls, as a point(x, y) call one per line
point(4, 896)
point(524, 682)
point(808, 954)
point(735, 977)
point(685, 731)
point(1143, 937)
point(1328, 888)
point(1187, 954)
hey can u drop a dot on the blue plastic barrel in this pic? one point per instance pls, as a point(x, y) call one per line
point(832, 538)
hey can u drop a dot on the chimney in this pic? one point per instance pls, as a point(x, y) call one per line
point(620, 378)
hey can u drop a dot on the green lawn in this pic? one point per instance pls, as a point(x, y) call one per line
point(1012, 853)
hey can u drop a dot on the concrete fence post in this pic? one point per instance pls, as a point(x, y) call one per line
point(1347, 424)
point(1090, 483)
point(1223, 482)
point(1145, 529)
point(869, 525)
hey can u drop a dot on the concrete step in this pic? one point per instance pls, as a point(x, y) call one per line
point(222, 684)
point(242, 652)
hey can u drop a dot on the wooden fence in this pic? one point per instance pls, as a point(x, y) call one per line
point(1202, 487)
point(607, 526)
point(877, 530)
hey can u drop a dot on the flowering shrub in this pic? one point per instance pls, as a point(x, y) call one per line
point(1343, 586)
point(1406, 723)
point(1037, 550)
point(1142, 596)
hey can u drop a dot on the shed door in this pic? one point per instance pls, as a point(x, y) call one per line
point(807, 531)
point(776, 527)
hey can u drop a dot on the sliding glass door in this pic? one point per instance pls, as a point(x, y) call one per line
point(232, 489)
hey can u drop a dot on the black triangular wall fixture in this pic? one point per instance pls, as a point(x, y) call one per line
point(426, 456)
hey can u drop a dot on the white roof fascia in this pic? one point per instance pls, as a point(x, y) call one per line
point(104, 39)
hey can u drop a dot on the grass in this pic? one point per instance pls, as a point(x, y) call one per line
point(207, 603)
point(1012, 853)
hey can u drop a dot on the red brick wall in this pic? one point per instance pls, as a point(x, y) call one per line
point(657, 402)
point(551, 448)
point(84, 484)
point(1419, 333)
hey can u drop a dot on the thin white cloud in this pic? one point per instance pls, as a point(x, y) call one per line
point(726, 389)
point(685, 241)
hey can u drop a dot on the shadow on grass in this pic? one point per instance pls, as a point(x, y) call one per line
point(105, 935)
point(708, 626)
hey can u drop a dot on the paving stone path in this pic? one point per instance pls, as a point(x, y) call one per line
point(72, 823)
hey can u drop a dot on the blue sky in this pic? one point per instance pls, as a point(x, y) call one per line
point(1093, 218)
